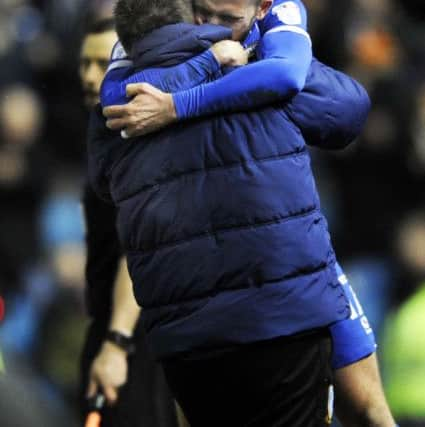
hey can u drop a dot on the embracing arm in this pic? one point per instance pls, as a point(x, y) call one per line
point(279, 76)
point(199, 69)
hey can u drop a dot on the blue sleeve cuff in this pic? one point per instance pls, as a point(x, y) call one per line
point(183, 101)
point(209, 62)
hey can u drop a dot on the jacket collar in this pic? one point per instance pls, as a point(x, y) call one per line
point(173, 44)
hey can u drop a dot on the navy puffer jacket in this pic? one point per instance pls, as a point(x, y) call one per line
point(221, 222)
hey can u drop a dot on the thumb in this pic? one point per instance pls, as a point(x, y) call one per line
point(91, 389)
point(134, 89)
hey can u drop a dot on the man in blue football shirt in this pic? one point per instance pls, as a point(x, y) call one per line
point(284, 48)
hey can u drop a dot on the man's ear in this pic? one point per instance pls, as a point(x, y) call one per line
point(263, 8)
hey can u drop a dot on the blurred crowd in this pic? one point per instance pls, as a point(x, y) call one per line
point(372, 193)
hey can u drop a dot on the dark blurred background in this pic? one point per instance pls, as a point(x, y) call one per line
point(372, 193)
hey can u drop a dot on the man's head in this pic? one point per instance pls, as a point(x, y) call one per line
point(239, 15)
point(94, 58)
point(136, 18)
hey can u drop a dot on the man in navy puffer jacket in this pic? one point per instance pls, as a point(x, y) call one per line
point(226, 247)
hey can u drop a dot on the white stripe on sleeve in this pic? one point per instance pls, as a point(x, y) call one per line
point(292, 29)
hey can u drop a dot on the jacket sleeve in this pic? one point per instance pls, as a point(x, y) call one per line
point(332, 109)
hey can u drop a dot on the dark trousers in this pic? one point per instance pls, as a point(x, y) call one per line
point(145, 401)
point(278, 383)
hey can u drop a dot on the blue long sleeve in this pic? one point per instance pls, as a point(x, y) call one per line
point(198, 70)
point(278, 77)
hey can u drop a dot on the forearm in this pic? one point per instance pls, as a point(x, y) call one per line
point(253, 86)
point(109, 369)
point(198, 70)
point(278, 77)
point(125, 311)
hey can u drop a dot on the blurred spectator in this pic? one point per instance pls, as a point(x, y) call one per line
point(42, 128)
point(22, 181)
point(46, 320)
point(63, 321)
point(375, 183)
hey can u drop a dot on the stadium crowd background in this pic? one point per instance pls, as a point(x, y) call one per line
point(372, 193)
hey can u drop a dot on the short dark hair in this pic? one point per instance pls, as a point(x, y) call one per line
point(136, 18)
point(101, 26)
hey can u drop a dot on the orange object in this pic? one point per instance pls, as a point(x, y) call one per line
point(376, 48)
point(93, 419)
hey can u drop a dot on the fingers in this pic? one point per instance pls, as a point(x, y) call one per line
point(118, 124)
point(128, 130)
point(134, 89)
point(91, 389)
point(111, 394)
point(115, 111)
point(127, 126)
point(133, 132)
